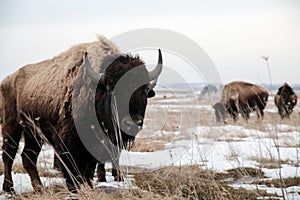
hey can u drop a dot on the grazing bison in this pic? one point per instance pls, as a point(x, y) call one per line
point(285, 100)
point(241, 98)
point(209, 89)
point(44, 101)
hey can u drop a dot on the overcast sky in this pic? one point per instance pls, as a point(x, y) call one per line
point(234, 34)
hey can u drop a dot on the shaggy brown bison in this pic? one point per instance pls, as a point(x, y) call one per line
point(58, 100)
point(285, 100)
point(241, 98)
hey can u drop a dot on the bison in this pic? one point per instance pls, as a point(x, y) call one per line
point(54, 101)
point(220, 112)
point(285, 100)
point(241, 98)
point(209, 89)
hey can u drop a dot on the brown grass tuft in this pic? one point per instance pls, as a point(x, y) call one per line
point(191, 182)
point(280, 183)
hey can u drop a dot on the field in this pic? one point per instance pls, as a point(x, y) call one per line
point(182, 153)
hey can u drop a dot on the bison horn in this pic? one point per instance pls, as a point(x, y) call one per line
point(95, 77)
point(153, 75)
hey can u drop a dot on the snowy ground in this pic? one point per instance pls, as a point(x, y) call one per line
point(187, 128)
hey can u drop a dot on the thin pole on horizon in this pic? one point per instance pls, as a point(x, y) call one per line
point(266, 58)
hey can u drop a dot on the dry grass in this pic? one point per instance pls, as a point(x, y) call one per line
point(269, 163)
point(245, 171)
point(58, 192)
point(186, 182)
point(147, 145)
point(280, 183)
point(191, 182)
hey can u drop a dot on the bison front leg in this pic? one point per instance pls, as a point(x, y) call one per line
point(33, 145)
point(234, 115)
point(101, 172)
point(260, 113)
point(287, 112)
point(70, 170)
point(245, 114)
point(56, 162)
point(117, 174)
point(116, 171)
point(89, 176)
point(280, 112)
point(11, 136)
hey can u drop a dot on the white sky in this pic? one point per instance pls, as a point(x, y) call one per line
point(235, 34)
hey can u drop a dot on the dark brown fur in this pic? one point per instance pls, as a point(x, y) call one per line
point(285, 100)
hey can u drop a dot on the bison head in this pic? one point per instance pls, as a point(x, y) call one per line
point(121, 96)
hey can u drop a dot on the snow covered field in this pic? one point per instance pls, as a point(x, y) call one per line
point(184, 127)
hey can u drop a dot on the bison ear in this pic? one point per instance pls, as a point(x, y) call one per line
point(150, 94)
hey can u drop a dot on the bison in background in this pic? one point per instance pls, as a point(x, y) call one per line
point(38, 102)
point(285, 100)
point(241, 98)
point(209, 89)
point(220, 112)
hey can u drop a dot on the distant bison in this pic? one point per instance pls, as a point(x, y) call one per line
point(209, 89)
point(241, 98)
point(220, 112)
point(46, 99)
point(285, 100)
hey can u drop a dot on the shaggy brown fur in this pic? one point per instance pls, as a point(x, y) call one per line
point(1, 114)
point(285, 100)
point(39, 98)
point(241, 97)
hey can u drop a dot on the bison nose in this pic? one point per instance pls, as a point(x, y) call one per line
point(128, 123)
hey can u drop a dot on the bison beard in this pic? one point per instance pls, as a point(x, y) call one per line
point(29, 107)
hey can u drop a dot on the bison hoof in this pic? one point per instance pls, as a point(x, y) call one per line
point(8, 188)
point(102, 179)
